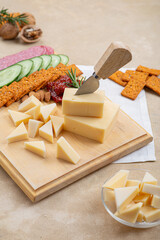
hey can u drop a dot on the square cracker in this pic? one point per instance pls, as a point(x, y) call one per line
point(153, 83)
point(134, 74)
point(117, 77)
point(150, 71)
point(5, 95)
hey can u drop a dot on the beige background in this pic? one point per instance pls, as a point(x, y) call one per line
point(82, 30)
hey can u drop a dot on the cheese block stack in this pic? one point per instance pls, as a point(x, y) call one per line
point(89, 115)
point(133, 200)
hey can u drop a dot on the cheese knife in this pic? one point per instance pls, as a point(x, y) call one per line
point(116, 56)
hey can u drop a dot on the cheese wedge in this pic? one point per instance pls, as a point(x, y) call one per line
point(150, 214)
point(118, 180)
point(57, 124)
point(18, 117)
point(33, 127)
point(94, 128)
point(131, 183)
point(66, 152)
point(109, 198)
point(143, 198)
point(124, 196)
point(155, 201)
point(140, 216)
point(46, 131)
point(34, 112)
point(151, 189)
point(29, 103)
point(47, 110)
point(90, 105)
point(149, 179)
point(36, 147)
point(130, 213)
point(18, 134)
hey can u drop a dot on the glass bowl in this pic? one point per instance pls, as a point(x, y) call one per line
point(135, 174)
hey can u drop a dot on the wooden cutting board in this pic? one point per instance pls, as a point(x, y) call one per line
point(39, 177)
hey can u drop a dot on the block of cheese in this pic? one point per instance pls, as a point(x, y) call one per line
point(130, 213)
point(151, 189)
point(66, 152)
point(19, 117)
point(29, 103)
point(131, 183)
point(18, 134)
point(155, 201)
point(118, 180)
point(47, 110)
point(46, 131)
point(124, 196)
point(150, 214)
point(143, 198)
point(140, 216)
point(34, 112)
point(37, 147)
point(94, 128)
point(33, 127)
point(57, 124)
point(90, 105)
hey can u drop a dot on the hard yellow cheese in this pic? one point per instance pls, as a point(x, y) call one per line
point(151, 189)
point(140, 216)
point(149, 179)
point(118, 180)
point(155, 201)
point(94, 128)
point(57, 124)
point(36, 147)
point(33, 127)
point(66, 152)
point(46, 131)
point(47, 110)
point(29, 103)
point(34, 112)
point(131, 183)
point(18, 134)
point(150, 214)
point(18, 117)
point(143, 198)
point(83, 105)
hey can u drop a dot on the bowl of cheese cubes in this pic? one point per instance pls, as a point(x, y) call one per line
point(132, 197)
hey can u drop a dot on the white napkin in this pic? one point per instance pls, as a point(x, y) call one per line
point(136, 109)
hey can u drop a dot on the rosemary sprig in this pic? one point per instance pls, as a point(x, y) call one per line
point(75, 82)
point(6, 17)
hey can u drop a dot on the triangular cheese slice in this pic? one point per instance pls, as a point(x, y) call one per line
point(124, 196)
point(18, 134)
point(131, 183)
point(57, 124)
point(30, 102)
point(66, 152)
point(33, 127)
point(47, 110)
point(118, 180)
point(148, 178)
point(36, 147)
point(34, 112)
point(130, 213)
point(18, 117)
point(46, 132)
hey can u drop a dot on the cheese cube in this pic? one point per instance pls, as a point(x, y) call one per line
point(46, 111)
point(33, 127)
point(36, 147)
point(131, 183)
point(130, 213)
point(34, 112)
point(118, 180)
point(46, 132)
point(143, 198)
point(57, 124)
point(151, 189)
point(94, 128)
point(66, 152)
point(150, 214)
point(124, 196)
point(18, 134)
point(29, 103)
point(18, 117)
point(155, 201)
point(90, 105)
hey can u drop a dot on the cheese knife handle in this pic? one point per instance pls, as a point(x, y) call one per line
point(116, 56)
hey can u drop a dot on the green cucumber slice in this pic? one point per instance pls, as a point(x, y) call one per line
point(37, 62)
point(8, 75)
point(64, 58)
point(46, 61)
point(26, 68)
point(55, 60)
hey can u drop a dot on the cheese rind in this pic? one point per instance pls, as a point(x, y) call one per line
point(34, 112)
point(66, 152)
point(37, 147)
point(150, 214)
point(18, 134)
point(46, 131)
point(57, 124)
point(94, 128)
point(131, 183)
point(33, 127)
point(155, 201)
point(46, 111)
point(151, 189)
point(90, 105)
point(118, 180)
point(19, 117)
point(30, 102)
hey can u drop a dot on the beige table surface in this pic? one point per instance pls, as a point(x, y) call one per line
point(83, 29)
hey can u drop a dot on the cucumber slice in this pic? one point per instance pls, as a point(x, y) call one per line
point(26, 68)
point(64, 58)
point(37, 62)
point(55, 60)
point(8, 75)
point(46, 61)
